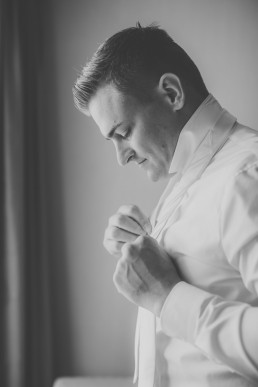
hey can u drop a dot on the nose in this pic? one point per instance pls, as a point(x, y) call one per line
point(124, 153)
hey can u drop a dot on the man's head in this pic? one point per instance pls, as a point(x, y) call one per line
point(140, 87)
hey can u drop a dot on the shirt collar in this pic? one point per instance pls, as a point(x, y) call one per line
point(194, 132)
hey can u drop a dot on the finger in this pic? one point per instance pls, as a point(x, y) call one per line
point(113, 247)
point(120, 235)
point(145, 240)
point(125, 222)
point(137, 215)
point(129, 251)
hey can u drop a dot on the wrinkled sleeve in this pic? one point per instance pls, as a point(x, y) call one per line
point(226, 331)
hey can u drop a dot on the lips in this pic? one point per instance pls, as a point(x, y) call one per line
point(142, 161)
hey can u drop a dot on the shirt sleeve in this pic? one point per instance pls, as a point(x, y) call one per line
point(226, 331)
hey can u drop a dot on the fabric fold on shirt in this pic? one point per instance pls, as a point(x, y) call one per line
point(195, 148)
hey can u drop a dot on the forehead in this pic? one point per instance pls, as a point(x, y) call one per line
point(109, 106)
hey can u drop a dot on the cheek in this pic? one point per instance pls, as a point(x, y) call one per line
point(141, 143)
point(146, 141)
point(148, 149)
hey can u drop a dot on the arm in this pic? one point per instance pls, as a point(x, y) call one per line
point(226, 331)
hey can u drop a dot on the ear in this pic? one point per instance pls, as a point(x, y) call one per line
point(171, 88)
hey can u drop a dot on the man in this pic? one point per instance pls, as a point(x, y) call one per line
point(193, 267)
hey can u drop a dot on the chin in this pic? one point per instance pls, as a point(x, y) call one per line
point(158, 173)
point(154, 176)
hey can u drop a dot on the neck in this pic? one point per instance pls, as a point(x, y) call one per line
point(192, 101)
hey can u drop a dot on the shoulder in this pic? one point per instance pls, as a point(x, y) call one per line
point(239, 153)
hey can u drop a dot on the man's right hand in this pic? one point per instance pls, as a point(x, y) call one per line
point(125, 226)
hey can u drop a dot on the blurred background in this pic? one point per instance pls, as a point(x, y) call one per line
point(60, 313)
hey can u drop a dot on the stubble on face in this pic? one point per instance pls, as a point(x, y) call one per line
point(153, 135)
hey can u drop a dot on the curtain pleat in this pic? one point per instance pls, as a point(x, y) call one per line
point(25, 299)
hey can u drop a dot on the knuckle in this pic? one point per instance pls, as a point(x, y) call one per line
point(113, 232)
point(111, 219)
point(122, 208)
point(119, 219)
point(132, 208)
point(128, 209)
point(112, 247)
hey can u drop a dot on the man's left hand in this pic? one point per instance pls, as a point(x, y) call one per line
point(145, 274)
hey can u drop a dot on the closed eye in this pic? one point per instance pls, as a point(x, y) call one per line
point(126, 134)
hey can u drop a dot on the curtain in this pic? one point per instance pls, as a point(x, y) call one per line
point(25, 319)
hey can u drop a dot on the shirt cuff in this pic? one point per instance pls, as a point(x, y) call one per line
point(179, 314)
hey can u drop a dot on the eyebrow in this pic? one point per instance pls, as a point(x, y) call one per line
point(112, 131)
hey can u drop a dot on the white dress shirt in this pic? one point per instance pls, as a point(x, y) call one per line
point(207, 220)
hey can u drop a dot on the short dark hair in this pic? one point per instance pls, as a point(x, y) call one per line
point(133, 60)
